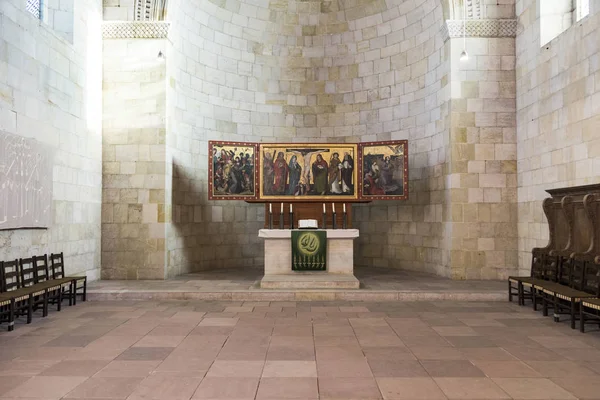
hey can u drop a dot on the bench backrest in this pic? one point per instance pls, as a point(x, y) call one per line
point(537, 265)
point(10, 276)
point(57, 266)
point(591, 278)
point(550, 267)
point(27, 272)
point(40, 264)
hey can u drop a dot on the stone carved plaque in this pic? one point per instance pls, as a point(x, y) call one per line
point(25, 183)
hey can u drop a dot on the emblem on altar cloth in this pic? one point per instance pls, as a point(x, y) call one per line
point(309, 250)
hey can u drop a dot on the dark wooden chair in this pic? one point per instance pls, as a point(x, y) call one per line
point(7, 303)
point(28, 281)
point(11, 287)
point(43, 278)
point(522, 286)
point(79, 283)
point(589, 309)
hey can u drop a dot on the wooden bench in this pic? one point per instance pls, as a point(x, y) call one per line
point(79, 283)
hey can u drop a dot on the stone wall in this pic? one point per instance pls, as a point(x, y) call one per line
point(558, 117)
point(50, 90)
point(134, 209)
point(483, 167)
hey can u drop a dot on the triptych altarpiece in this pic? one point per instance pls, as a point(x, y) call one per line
point(308, 171)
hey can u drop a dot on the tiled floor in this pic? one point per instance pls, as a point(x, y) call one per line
point(243, 284)
point(305, 350)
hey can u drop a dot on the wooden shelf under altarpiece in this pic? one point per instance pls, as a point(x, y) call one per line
point(308, 210)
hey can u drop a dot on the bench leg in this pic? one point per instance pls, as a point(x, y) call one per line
point(74, 293)
point(544, 306)
point(70, 294)
point(573, 305)
point(59, 306)
point(45, 304)
point(30, 309)
point(581, 319)
point(510, 291)
point(534, 298)
point(555, 309)
point(85, 290)
point(11, 316)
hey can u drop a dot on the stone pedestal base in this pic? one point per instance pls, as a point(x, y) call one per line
point(278, 262)
point(310, 280)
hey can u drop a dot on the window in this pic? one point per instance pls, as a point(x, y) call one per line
point(35, 8)
point(581, 9)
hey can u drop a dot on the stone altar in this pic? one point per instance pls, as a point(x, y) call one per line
point(278, 262)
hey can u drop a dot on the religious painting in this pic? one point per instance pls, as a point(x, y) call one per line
point(308, 171)
point(384, 170)
point(232, 171)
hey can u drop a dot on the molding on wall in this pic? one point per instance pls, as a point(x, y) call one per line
point(135, 30)
point(150, 10)
point(490, 28)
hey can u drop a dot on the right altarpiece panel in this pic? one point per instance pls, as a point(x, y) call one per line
point(383, 170)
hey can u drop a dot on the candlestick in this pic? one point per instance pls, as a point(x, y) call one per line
point(344, 221)
point(324, 209)
point(333, 207)
point(344, 206)
point(270, 208)
point(270, 221)
point(291, 219)
point(291, 209)
point(334, 221)
point(281, 208)
point(324, 219)
point(281, 217)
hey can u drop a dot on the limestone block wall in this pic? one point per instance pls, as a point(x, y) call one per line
point(118, 10)
point(50, 90)
point(483, 167)
point(306, 72)
point(558, 116)
point(135, 209)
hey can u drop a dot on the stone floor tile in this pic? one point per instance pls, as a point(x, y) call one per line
point(45, 386)
point(25, 367)
point(409, 389)
point(71, 341)
point(451, 368)
point(227, 388)
point(579, 354)
point(534, 388)
point(348, 389)
point(145, 353)
point(583, 387)
point(218, 322)
point(128, 369)
point(336, 341)
point(392, 368)
point(117, 388)
point(437, 353)
point(339, 353)
point(425, 341)
point(7, 383)
point(240, 369)
point(560, 342)
point(391, 353)
point(159, 341)
point(454, 331)
point(380, 341)
point(469, 341)
point(534, 354)
point(287, 388)
point(348, 368)
point(487, 353)
point(471, 388)
point(165, 386)
point(290, 369)
point(559, 369)
point(291, 353)
point(506, 369)
point(75, 368)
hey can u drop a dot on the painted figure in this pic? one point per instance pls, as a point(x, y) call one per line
point(268, 172)
point(319, 171)
point(281, 173)
point(346, 173)
point(295, 171)
point(335, 174)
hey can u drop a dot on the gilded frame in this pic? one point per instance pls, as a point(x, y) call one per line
point(343, 185)
point(374, 159)
point(242, 180)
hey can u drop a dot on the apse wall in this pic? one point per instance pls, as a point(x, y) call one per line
point(279, 71)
